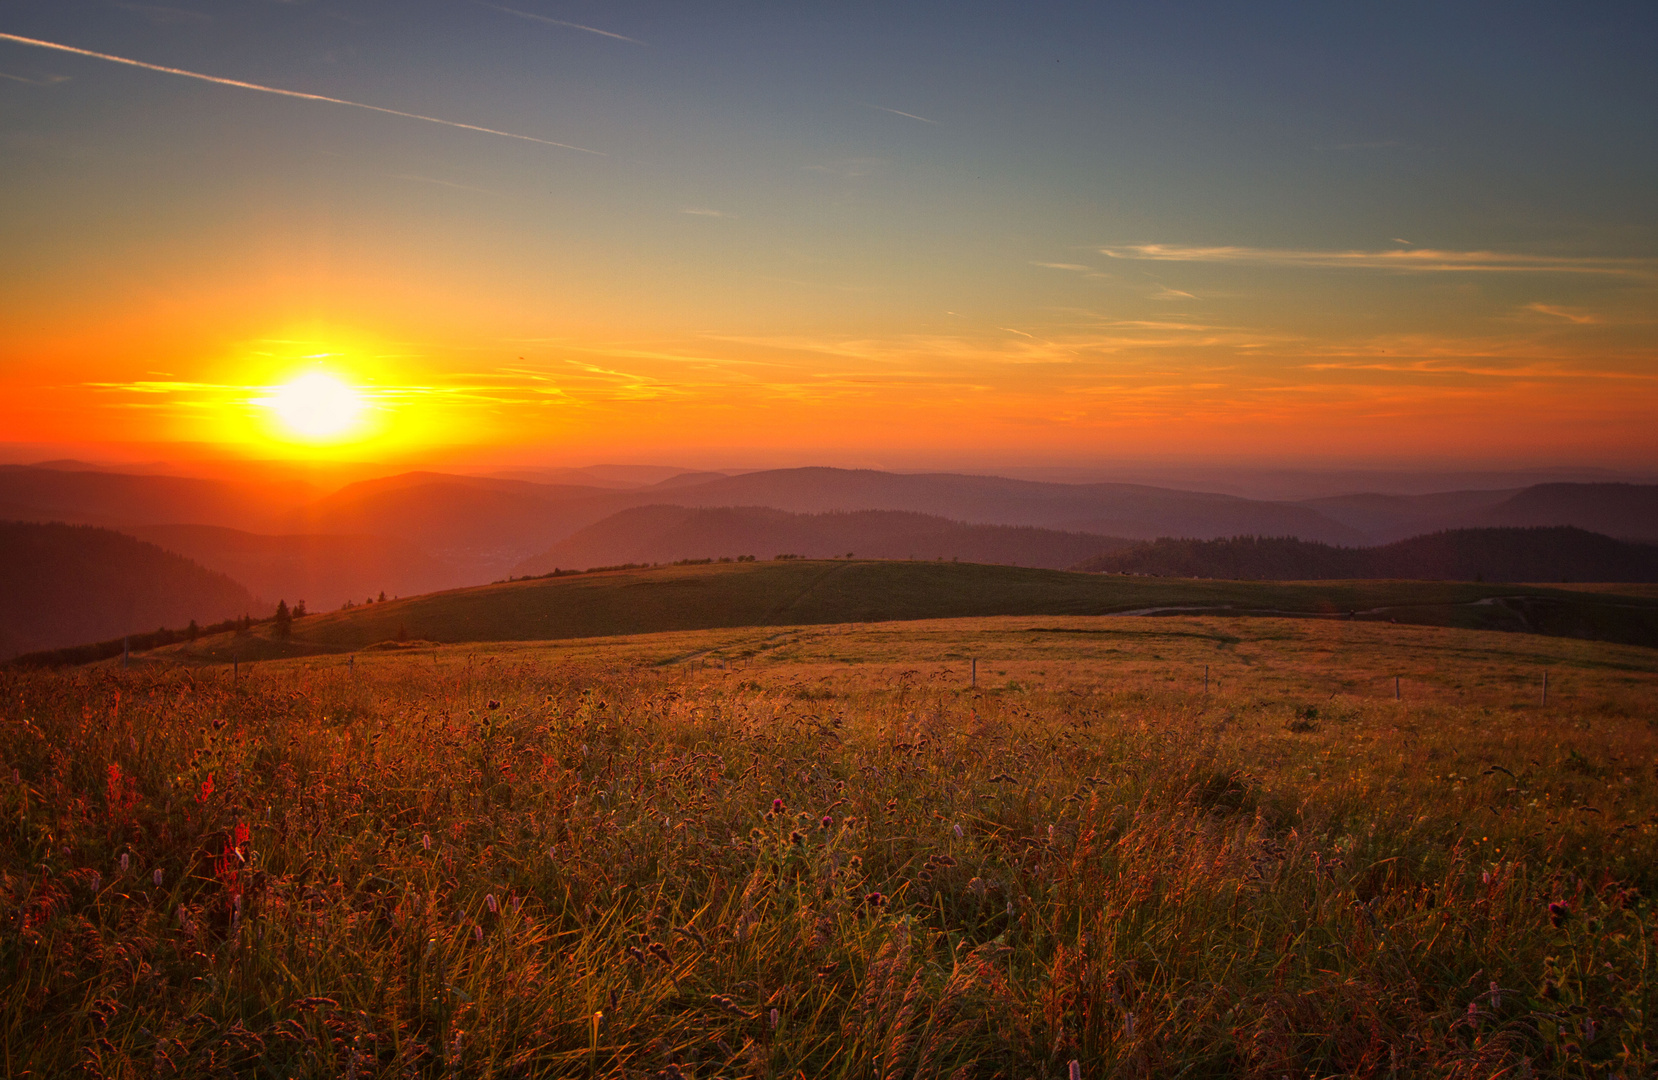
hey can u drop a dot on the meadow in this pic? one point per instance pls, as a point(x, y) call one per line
point(1040, 846)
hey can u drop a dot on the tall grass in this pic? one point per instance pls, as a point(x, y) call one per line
point(823, 853)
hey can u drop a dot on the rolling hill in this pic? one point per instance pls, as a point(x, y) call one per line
point(70, 584)
point(657, 534)
point(803, 592)
point(1628, 511)
point(1127, 510)
point(483, 526)
point(324, 571)
point(96, 497)
point(1559, 554)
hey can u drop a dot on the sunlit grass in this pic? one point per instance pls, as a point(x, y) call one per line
point(762, 852)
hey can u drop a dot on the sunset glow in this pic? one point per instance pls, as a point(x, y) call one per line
point(1132, 233)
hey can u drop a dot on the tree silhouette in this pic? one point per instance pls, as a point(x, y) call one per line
point(284, 619)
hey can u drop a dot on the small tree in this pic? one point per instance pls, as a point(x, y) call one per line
point(192, 631)
point(299, 609)
point(284, 619)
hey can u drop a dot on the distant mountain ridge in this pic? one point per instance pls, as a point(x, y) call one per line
point(323, 570)
point(1536, 554)
point(1627, 511)
point(653, 534)
point(420, 530)
point(70, 584)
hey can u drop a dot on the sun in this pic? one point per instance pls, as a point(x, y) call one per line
point(317, 406)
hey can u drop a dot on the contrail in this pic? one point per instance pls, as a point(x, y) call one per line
point(557, 22)
point(288, 93)
point(899, 112)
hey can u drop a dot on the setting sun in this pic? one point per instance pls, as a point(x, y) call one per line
point(317, 406)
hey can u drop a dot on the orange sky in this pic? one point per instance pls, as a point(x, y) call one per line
point(752, 253)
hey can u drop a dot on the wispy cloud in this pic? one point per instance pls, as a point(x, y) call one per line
point(557, 22)
point(1078, 267)
point(1425, 260)
point(44, 80)
point(703, 211)
point(240, 85)
point(1167, 293)
point(1571, 315)
point(899, 112)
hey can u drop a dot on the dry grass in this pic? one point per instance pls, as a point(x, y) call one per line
point(768, 852)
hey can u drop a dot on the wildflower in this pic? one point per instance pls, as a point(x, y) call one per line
point(478, 933)
point(490, 903)
point(1559, 912)
point(777, 806)
point(96, 881)
point(517, 904)
point(774, 1018)
point(493, 704)
point(1128, 1025)
point(243, 833)
point(960, 834)
point(826, 822)
point(797, 837)
point(426, 841)
point(874, 899)
point(156, 877)
point(124, 862)
point(1074, 1070)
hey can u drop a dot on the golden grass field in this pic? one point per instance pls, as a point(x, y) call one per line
point(820, 851)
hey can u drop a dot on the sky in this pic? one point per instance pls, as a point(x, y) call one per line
point(919, 235)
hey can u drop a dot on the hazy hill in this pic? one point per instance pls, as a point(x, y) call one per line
point(1560, 554)
point(1130, 510)
point(96, 497)
point(651, 534)
point(1623, 510)
point(1385, 518)
point(70, 584)
point(484, 526)
point(324, 571)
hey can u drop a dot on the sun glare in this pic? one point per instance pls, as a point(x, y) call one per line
point(317, 406)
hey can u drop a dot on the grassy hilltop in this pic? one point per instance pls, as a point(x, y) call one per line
point(808, 592)
point(819, 850)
